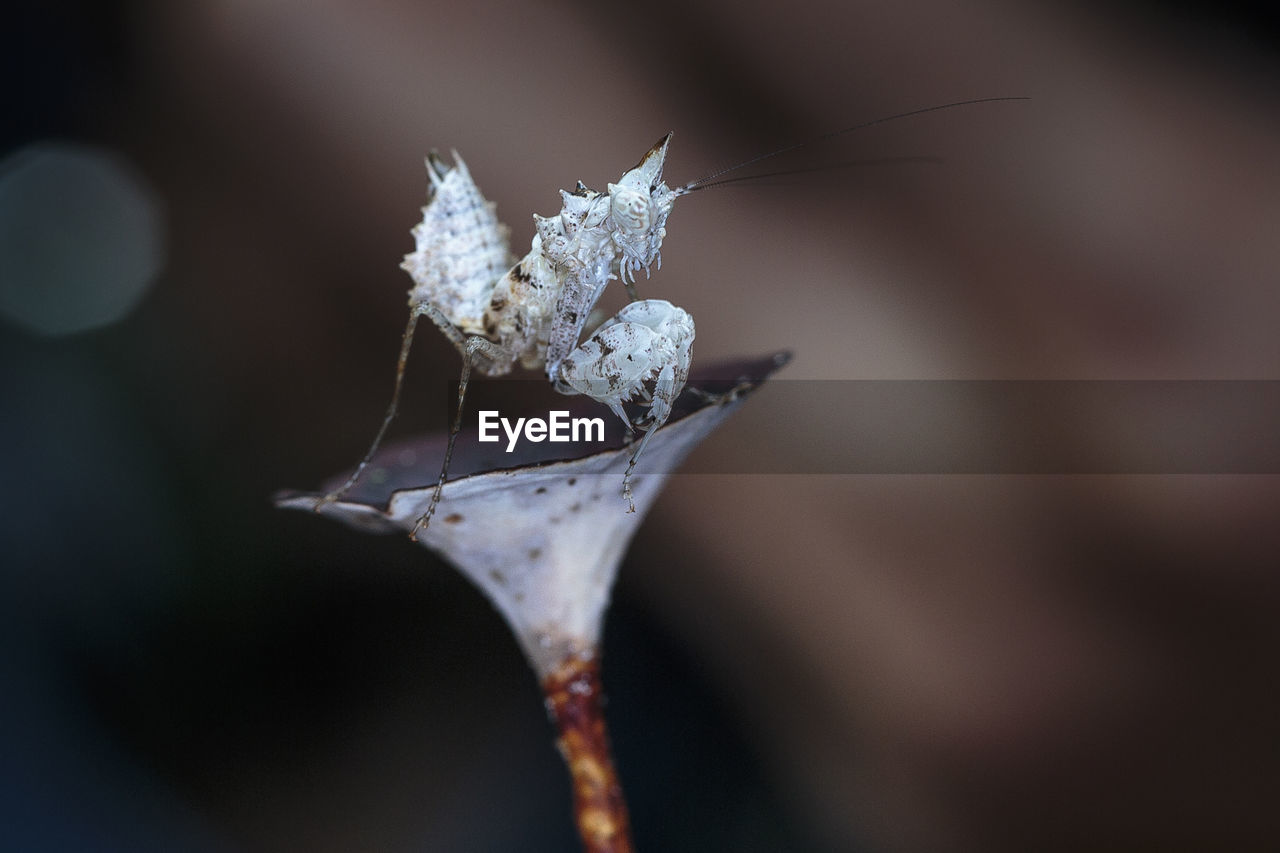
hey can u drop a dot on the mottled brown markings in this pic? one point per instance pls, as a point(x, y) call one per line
point(573, 481)
point(541, 490)
point(498, 577)
point(535, 553)
point(453, 518)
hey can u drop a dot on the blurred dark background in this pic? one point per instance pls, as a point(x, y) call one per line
point(202, 209)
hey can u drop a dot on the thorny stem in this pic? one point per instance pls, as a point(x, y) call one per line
point(574, 702)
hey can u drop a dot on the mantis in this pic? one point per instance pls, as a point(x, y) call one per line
point(533, 313)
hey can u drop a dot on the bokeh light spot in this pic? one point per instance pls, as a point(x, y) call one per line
point(80, 238)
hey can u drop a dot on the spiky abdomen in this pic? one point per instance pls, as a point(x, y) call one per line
point(462, 249)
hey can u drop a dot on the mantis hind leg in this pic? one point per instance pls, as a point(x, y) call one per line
point(466, 346)
point(472, 347)
point(405, 346)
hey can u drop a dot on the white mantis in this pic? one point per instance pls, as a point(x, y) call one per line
point(533, 313)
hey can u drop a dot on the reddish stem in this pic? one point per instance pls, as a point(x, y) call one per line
point(574, 702)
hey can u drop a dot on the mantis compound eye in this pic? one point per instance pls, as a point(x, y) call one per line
point(631, 211)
